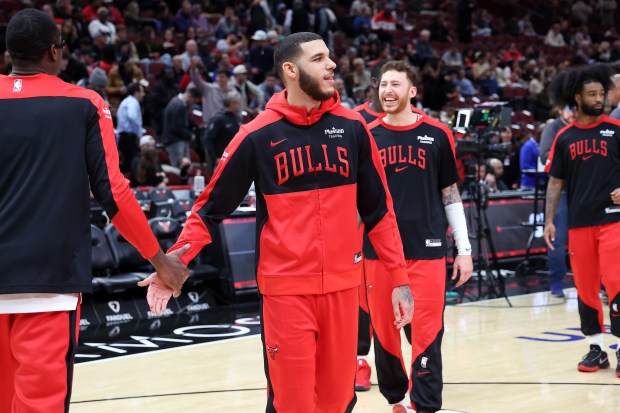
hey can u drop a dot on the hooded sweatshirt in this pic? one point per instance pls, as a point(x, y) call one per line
point(313, 172)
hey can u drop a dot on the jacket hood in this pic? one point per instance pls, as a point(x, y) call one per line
point(298, 115)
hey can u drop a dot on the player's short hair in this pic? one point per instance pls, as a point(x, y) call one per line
point(566, 85)
point(401, 66)
point(375, 72)
point(30, 34)
point(290, 48)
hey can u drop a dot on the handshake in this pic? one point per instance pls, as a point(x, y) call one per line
point(169, 276)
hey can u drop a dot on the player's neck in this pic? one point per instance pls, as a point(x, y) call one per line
point(29, 70)
point(375, 106)
point(296, 97)
point(403, 118)
point(584, 119)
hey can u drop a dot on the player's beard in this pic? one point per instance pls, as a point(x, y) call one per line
point(312, 87)
point(403, 103)
point(590, 110)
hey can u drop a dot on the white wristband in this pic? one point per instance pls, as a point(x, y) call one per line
point(456, 218)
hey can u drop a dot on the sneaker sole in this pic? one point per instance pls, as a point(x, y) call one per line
point(362, 388)
point(586, 369)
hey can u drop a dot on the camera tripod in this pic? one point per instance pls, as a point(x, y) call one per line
point(486, 258)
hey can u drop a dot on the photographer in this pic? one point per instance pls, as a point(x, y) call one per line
point(495, 172)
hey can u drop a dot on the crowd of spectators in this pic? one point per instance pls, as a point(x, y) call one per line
point(157, 57)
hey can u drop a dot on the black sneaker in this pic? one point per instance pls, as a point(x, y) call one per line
point(593, 361)
point(618, 365)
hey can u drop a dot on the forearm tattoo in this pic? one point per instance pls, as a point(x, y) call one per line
point(554, 191)
point(450, 195)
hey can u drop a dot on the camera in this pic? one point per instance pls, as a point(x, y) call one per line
point(479, 127)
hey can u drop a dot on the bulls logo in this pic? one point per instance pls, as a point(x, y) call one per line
point(165, 225)
point(114, 306)
point(272, 351)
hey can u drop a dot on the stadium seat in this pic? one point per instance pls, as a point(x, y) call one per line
point(126, 257)
point(161, 202)
point(181, 209)
point(166, 230)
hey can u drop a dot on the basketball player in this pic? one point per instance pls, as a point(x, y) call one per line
point(370, 111)
point(585, 159)
point(315, 165)
point(56, 141)
point(417, 153)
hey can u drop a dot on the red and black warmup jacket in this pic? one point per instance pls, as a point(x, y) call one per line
point(57, 141)
point(587, 157)
point(419, 161)
point(311, 172)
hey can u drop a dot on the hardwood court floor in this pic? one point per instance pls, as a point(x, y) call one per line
point(496, 359)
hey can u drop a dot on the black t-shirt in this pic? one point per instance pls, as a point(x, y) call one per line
point(587, 157)
point(419, 162)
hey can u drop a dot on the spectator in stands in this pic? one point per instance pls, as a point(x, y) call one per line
point(339, 85)
point(440, 32)
point(212, 93)
point(90, 11)
point(177, 130)
point(513, 54)
point(200, 21)
point(482, 24)
point(163, 17)
point(183, 19)
point(260, 57)
point(103, 26)
point(74, 70)
point(124, 46)
point(223, 127)
point(259, 15)
point(580, 12)
point(528, 160)
point(270, 86)
point(70, 34)
point(495, 172)
point(423, 47)
point(159, 96)
point(191, 52)
point(252, 98)
point(384, 20)
point(484, 75)
point(297, 18)
point(554, 37)
point(607, 9)
point(228, 24)
point(526, 28)
point(146, 168)
point(133, 20)
point(147, 48)
point(324, 21)
point(120, 77)
point(361, 75)
point(465, 85)
point(613, 97)
point(510, 159)
point(129, 121)
point(452, 57)
point(46, 256)
point(98, 82)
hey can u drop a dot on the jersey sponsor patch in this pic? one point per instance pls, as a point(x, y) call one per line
point(357, 258)
point(612, 210)
point(433, 243)
point(426, 139)
point(607, 133)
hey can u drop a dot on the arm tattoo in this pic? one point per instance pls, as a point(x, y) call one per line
point(554, 191)
point(406, 293)
point(450, 195)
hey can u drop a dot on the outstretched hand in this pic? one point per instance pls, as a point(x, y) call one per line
point(171, 270)
point(402, 304)
point(157, 295)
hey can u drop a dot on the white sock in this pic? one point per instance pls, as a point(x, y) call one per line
point(362, 357)
point(596, 339)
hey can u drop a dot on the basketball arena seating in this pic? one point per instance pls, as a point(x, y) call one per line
point(117, 266)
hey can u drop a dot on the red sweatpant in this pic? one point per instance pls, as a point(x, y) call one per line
point(427, 280)
point(310, 344)
point(36, 361)
point(594, 254)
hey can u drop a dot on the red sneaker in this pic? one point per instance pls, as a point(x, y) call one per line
point(362, 376)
